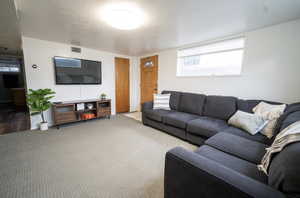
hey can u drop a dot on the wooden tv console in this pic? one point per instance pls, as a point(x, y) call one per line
point(67, 112)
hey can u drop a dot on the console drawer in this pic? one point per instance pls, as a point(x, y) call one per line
point(104, 112)
point(63, 117)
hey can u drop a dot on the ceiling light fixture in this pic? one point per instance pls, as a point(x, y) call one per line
point(123, 16)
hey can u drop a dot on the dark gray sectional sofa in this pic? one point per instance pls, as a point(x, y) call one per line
point(225, 164)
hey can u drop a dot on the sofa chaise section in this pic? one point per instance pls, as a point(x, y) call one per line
point(237, 146)
point(239, 132)
point(191, 174)
point(226, 166)
point(233, 162)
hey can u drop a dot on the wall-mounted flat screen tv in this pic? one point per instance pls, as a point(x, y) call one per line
point(70, 71)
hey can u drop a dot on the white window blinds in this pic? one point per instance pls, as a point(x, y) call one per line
point(220, 58)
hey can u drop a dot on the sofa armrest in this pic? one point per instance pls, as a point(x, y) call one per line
point(147, 105)
point(188, 174)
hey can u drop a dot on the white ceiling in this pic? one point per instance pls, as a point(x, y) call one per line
point(10, 36)
point(171, 23)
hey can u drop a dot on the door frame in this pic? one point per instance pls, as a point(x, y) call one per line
point(116, 77)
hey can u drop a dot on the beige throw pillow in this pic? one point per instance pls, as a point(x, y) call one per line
point(269, 112)
point(248, 121)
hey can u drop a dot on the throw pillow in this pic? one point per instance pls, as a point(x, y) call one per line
point(161, 101)
point(248, 121)
point(271, 113)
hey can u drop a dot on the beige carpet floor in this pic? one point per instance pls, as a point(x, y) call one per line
point(116, 158)
point(137, 115)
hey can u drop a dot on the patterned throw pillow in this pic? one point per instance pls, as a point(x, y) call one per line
point(248, 121)
point(161, 101)
point(271, 113)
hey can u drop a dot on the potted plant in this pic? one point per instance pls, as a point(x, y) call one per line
point(103, 96)
point(38, 102)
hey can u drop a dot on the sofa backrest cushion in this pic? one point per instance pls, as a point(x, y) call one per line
point(222, 107)
point(174, 99)
point(284, 170)
point(192, 103)
point(290, 119)
point(290, 115)
point(248, 105)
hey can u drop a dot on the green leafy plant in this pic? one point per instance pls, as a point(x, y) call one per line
point(103, 96)
point(39, 101)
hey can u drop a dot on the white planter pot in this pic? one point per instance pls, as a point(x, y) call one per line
point(44, 126)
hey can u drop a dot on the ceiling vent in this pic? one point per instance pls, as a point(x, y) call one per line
point(76, 49)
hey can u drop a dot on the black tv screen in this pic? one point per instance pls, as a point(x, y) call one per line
point(77, 71)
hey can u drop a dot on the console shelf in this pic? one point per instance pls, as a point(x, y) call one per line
point(73, 111)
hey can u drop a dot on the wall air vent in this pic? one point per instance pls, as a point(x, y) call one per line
point(76, 49)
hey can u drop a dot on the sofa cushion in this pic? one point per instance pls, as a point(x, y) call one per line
point(192, 103)
point(195, 139)
point(242, 166)
point(156, 114)
point(222, 107)
point(206, 126)
point(290, 119)
point(178, 119)
point(284, 170)
point(290, 115)
point(180, 133)
point(248, 105)
point(238, 146)
point(258, 137)
point(174, 99)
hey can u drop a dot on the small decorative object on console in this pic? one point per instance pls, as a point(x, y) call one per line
point(87, 116)
point(103, 96)
point(80, 106)
point(90, 106)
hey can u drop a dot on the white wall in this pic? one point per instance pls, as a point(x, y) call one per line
point(134, 84)
point(41, 53)
point(271, 68)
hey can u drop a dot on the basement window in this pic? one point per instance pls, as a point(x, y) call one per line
point(222, 58)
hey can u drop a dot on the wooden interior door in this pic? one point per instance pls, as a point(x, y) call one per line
point(149, 74)
point(122, 85)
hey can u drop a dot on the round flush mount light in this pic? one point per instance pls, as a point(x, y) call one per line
point(123, 16)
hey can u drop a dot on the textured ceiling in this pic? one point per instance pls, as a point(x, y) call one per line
point(10, 36)
point(170, 23)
